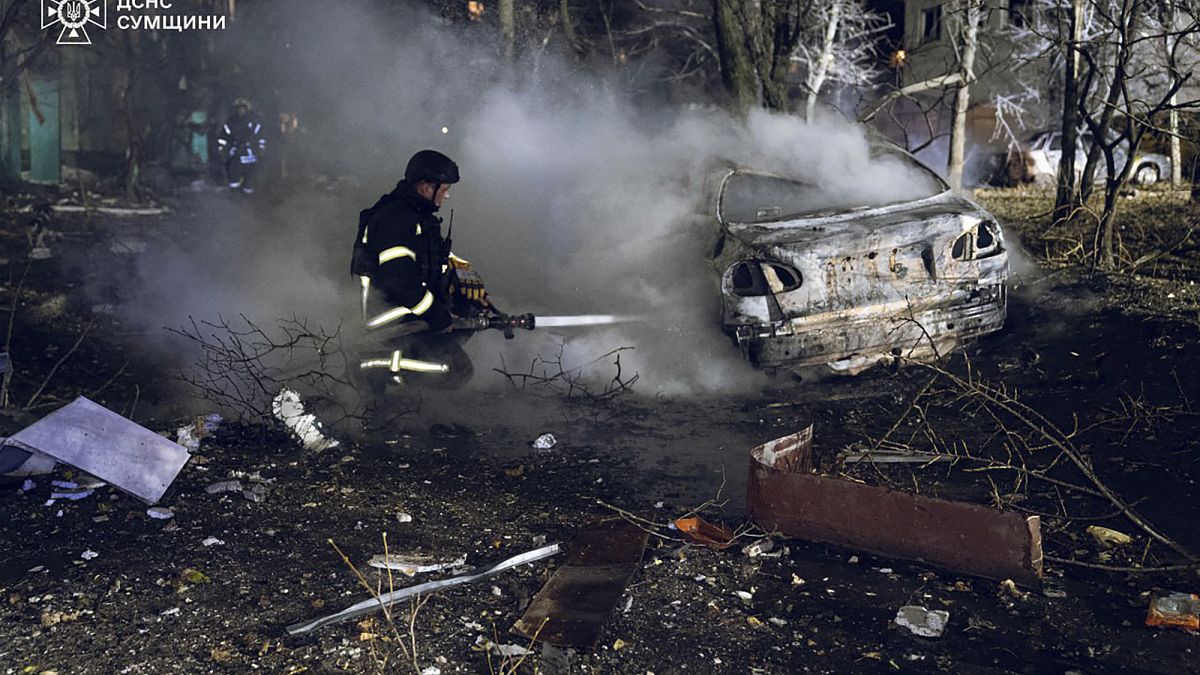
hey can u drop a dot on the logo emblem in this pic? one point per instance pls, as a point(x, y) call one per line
point(74, 15)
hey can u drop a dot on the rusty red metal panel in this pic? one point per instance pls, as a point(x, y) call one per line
point(964, 537)
point(791, 453)
point(572, 607)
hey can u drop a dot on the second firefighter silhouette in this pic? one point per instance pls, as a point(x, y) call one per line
point(413, 287)
point(242, 143)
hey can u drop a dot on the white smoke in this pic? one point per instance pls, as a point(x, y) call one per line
point(574, 199)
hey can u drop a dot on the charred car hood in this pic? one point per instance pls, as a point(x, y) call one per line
point(894, 221)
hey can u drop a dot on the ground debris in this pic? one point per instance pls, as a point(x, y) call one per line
point(190, 435)
point(160, 513)
point(504, 651)
point(92, 438)
point(305, 427)
point(958, 535)
point(224, 486)
point(1175, 610)
point(1107, 537)
point(51, 618)
point(703, 532)
point(921, 621)
point(413, 564)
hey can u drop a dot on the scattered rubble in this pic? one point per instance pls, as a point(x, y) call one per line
point(759, 548)
point(1108, 538)
point(700, 531)
point(504, 651)
point(256, 493)
point(254, 488)
point(414, 564)
point(224, 486)
point(1176, 610)
point(160, 513)
point(921, 621)
point(306, 428)
point(545, 442)
point(69, 490)
point(49, 618)
point(190, 435)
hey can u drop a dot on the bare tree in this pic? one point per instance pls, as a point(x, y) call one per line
point(965, 37)
point(1123, 65)
point(1124, 92)
point(963, 64)
point(1179, 54)
point(841, 46)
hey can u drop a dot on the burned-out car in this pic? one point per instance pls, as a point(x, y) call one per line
point(815, 280)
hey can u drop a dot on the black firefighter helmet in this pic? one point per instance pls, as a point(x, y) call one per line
point(432, 166)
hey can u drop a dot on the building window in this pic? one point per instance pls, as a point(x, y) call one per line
point(931, 25)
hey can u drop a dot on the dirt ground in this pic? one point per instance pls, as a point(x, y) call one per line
point(1112, 361)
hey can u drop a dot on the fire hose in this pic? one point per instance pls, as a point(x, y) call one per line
point(506, 323)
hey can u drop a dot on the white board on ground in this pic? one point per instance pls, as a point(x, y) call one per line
point(97, 440)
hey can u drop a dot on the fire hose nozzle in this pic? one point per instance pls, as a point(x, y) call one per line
point(510, 322)
point(506, 323)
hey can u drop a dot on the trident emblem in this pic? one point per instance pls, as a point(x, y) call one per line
point(74, 15)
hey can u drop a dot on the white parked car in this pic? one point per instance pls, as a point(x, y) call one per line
point(1037, 161)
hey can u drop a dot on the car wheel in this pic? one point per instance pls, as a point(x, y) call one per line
point(1146, 174)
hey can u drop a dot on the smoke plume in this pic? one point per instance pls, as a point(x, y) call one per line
point(574, 199)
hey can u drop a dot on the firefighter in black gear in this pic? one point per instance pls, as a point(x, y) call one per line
point(412, 285)
point(241, 143)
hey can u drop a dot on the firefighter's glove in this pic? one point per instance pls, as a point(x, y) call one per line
point(468, 284)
